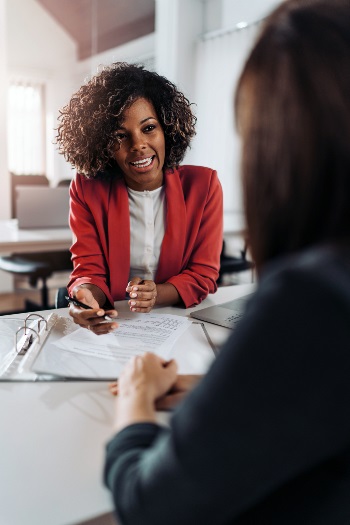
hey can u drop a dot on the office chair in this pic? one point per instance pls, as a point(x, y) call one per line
point(37, 266)
point(60, 298)
point(64, 182)
point(231, 264)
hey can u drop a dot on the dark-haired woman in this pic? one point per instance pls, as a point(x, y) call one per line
point(142, 223)
point(264, 439)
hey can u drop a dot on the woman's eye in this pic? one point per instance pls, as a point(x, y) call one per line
point(120, 136)
point(151, 127)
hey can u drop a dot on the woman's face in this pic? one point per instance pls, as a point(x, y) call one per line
point(140, 151)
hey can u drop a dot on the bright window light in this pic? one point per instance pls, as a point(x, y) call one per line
point(26, 130)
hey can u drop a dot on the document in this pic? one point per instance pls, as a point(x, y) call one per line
point(136, 334)
point(56, 349)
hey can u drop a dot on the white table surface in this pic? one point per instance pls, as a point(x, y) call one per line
point(53, 438)
point(14, 239)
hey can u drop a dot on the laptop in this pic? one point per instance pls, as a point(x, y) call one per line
point(42, 206)
point(225, 314)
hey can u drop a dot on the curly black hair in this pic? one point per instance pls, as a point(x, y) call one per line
point(87, 124)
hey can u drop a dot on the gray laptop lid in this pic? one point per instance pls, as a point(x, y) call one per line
point(42, 207)
point(225, 314)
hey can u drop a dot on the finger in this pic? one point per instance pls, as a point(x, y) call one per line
point(134, 283)
point(170, 401)
point(171, 367)
point(143, 295)
point(86, 317)
point(141, 309)
point(102, 328)
point(80, 316)
point(113, 388)
point(111, 313)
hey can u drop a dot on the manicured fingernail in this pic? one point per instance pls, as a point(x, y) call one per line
point(135, 288)
point(100, 312)
point(132, 303)
point(133, 295)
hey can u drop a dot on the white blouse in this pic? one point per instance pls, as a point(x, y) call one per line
point(147, 227)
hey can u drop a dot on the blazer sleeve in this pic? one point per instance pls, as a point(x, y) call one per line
point(261, 418)
point(89, 243)
point(201, 272)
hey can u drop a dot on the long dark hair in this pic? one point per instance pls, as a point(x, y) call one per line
point(293, 111)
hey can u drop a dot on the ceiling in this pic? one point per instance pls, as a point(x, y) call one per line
point(99, 25)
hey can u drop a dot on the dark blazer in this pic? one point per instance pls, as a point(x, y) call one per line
point(265, 438)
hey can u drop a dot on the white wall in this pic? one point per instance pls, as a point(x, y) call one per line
point(221, 53)
point(178, 25)
point(4, 179)
point(38, 48)
point(140, 50)
point(235, 11)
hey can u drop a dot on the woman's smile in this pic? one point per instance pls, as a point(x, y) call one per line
point(140, 147)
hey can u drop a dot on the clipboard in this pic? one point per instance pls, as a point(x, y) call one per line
point(35, 356)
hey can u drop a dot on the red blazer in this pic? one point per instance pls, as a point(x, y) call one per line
point(190, 252)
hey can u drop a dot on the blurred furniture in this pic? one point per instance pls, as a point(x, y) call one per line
point(33, 253)
point(64, 182)
point(230, 264)
point(14, 240)
point(60, 298)
point(24, 180)
point(37, 267)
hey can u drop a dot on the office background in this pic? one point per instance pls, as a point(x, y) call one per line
point(198, 44)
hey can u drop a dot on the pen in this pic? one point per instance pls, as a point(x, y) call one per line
point(86, 307)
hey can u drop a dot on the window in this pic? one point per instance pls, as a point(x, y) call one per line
point(26, 128)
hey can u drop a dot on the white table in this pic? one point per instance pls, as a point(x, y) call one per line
point(53, 438)
point(14, 239)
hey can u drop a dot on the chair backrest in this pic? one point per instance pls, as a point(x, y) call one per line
point(64, 182)
point(24, 180)
point(60, 299)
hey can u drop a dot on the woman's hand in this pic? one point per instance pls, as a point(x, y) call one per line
point(144, 379)
point(182, 386)
point(93, 318)
point(143, 295)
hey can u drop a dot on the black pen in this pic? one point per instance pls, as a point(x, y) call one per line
point(86, 307)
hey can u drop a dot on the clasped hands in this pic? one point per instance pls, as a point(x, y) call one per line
point(143, 295)
point(146, 384)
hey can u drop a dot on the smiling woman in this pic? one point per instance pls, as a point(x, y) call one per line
point(143, 224)
point(140, 147)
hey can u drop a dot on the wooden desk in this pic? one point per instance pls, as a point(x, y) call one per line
point(53, 438)
point(15, 240)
